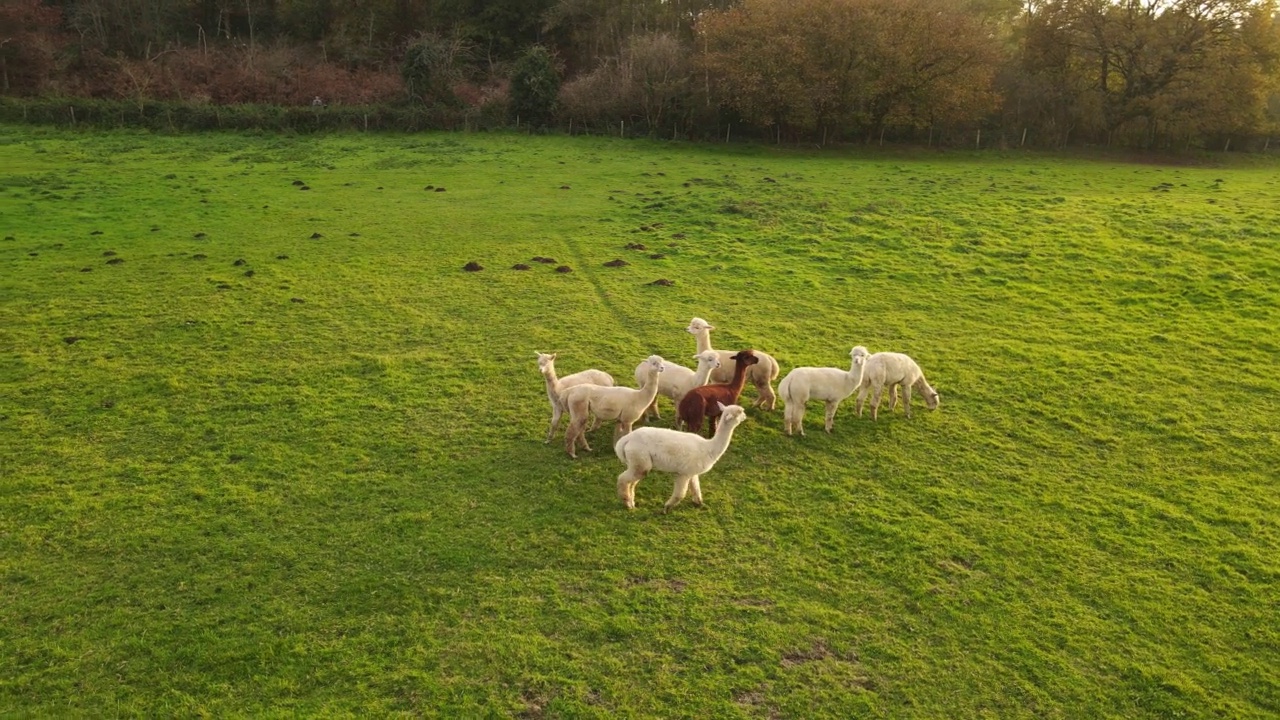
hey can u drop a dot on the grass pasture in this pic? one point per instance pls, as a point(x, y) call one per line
point(313, 482)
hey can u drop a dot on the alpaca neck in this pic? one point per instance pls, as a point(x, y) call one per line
point(553, 383)
point(923, 387)
point(719, 442)
point(704, 340)
point(856, 371)
point(650, 386)
point(701, 377)
point(739, 377)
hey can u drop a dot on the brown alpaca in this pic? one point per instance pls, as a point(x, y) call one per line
point(705, 401)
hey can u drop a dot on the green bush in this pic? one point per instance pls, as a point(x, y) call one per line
point(535, 84)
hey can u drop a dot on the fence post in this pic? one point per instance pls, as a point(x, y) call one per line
point(73, 115)
point(728, 128)
point(1024, 138)
point(979, 143)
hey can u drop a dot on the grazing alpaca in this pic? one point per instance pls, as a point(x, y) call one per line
point(705, 401)
point(682, 453)
point(625, 405)
point(761, 375)
point(677, 380)
point(557, 386)
point(830, 385)
point(894, 370)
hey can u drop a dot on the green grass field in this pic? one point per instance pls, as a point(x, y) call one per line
point(314, 482)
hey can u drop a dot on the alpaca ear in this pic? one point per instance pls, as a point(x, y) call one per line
point(723, 407)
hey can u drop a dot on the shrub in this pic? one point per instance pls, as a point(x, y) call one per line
point(535, 83)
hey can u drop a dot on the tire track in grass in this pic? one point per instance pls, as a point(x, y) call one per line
point(621, 320)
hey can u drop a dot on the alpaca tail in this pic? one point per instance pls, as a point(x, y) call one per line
point(620, 447)
point(784, 391)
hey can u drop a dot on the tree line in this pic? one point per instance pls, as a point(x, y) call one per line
point(1127, 73)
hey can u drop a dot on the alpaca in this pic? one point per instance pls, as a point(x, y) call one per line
point(830, 385)
point(705, 401)
point(624, 405)
point(893, 370)
point(685, 454)
point(556, 386)
point(761, 376)
point(677, 380)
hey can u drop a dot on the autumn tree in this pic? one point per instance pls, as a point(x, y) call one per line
point(855, 65)
point(29, 38)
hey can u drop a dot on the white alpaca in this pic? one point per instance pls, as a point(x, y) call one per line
point(556, 386)
point(686, 454)
point(830, 385)
point(894, 370)
point(677, 380)
point(761, 375)
point(625, 405)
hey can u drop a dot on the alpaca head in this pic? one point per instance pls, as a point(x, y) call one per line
point(859, 355)
point(708, 358)
point(745, 357)
point(545, 361)
point(932, 399)
point(731, 415)
point(698, 325)
point(655, 363)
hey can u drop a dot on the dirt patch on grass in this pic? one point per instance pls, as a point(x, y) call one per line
point(818, 651)
point(115, 261)
point(637, 246)
point(519, 266)
point(564, 269)
point(617, 263)
point(109, 253)
point(239, 262)
point(473, 266)
point(663, 282)
point(544, 260)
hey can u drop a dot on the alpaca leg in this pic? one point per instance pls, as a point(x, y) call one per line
point(677, 494)
point(906, 400)
point(571, 438)
point(712, 422)
point(557, 410)
point(831, 413)
point(765, 397)
point(876, 392)
point(654, 407)
point(627, 482)
point(696, 487)
point(857, 404)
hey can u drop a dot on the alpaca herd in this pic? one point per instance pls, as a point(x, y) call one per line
point(710, 394)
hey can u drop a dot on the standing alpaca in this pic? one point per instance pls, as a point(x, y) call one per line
point(625, 405)
point(830, 385)
point(677, 380)
point(557, 386)
point(706, 401)
point(682, 453)
point(761, 376)
point(894, 369)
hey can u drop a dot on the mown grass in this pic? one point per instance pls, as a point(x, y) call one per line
point(322, 488)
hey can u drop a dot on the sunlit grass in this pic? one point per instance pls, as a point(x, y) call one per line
point(321, 487)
